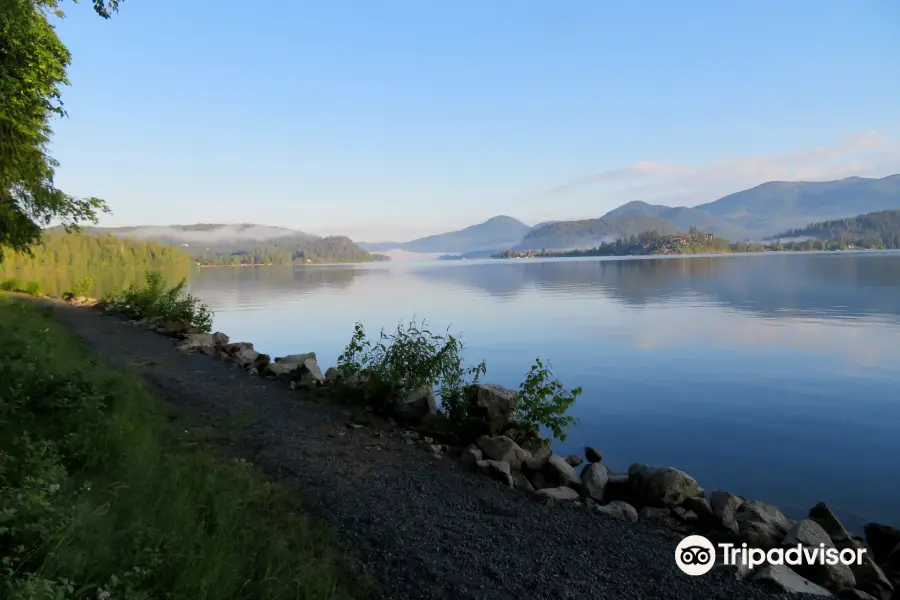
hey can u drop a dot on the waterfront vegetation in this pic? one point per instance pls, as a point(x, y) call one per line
point(877, 230)
point(105, 494)
point(87, 253)
point(398, 363)
point(62, 261)
point(155, 300)
point(310, 250)
point(698, 242)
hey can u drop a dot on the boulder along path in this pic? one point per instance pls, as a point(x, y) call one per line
point(423, 526)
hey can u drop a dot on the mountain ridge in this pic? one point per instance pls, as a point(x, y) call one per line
point(752, 214)
point(495, 232)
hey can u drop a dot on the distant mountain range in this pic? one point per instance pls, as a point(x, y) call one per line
point(755, 214)
point(500, 232)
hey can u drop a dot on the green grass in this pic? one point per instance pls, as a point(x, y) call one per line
point(101, 493)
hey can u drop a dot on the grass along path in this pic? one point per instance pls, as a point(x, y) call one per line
point(103, 495)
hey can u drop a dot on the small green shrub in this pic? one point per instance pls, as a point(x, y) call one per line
point(154, 301)
point(410, 357)
point(83, 288)
point(33, 288)
point(12, 284)
point(413, 356)
point(543, 401)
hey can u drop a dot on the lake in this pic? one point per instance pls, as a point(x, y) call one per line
point(773, 376)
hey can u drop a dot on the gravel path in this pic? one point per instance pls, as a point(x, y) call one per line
point(424, 527)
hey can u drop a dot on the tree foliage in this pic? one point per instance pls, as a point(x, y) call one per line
point(93, 253)
point(33, 63)
point(874, 230)
point(314, 250)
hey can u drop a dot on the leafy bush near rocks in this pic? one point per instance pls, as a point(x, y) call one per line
point(408, 358)
point(14, 284)
point(412, 356)
point(10, 285)
point(543, 401)
point(81, 289)
point(101, 497)
point(154, 301)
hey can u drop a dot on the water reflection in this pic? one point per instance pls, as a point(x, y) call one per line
point(827, 285)
point(57, 282)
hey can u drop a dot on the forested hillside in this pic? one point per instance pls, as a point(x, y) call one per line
point(313, 250)
point(589, 233)
point(89, 253)
point(878, 229)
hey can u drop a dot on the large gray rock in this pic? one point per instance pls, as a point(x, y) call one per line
point(557, 494)
point(618, 509)
point(551, 471)
point(661, 486)
point(594, 477)
point(301, 368)
point(724, 506)
point(197, 342)
point(592, 454)
point(870, 577)
point(809, 534)
point(786, 580)
point(295, 358)
point(311, 373)
point(497, 470)
point(501, 447)
point(281, 369)
point(520, 482)
point(471, 456)
point(574, 460)
point(821, 514)
point(417, 405)
point(245, 357)
point(700, 507)
point(492, 405)
point(760, 524)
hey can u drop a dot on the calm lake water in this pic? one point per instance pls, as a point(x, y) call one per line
point(770, 376)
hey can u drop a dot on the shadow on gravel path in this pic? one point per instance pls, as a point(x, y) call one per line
point(422, 526)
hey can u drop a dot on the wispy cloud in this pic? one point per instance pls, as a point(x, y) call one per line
point(637, 171)
point(866, 154)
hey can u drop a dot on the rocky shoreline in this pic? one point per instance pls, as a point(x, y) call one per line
point(664, 496)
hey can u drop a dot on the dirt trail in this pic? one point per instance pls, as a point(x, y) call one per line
point(424, 527)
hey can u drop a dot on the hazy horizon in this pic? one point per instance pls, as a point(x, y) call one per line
point(402, 120)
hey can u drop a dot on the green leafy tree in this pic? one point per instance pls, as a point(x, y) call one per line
point(33, 63)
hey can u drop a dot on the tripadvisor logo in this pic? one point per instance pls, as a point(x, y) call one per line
point(695, 555)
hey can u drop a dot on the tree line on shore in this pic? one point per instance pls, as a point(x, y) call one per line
point(316, 250)
point(84, 252)
point(874, 231)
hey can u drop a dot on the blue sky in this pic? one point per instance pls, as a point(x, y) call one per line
point(400, 118)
